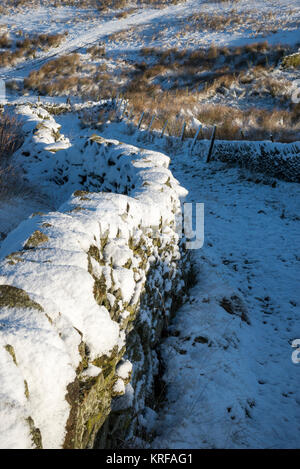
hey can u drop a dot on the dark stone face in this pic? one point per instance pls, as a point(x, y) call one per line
point(13, 297)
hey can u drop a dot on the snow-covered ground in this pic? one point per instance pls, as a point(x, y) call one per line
point(237, 387)
point(230, 380)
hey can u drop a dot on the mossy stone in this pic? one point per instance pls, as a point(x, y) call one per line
point(15, 257)
point(35, 434)
point(37, 238)
point(9, 348)
point(13, 297)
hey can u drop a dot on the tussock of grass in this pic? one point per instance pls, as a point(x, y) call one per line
point(5, 41)
point(11, 137)
point(291, 61)
point(96, 51)
point(27, 48)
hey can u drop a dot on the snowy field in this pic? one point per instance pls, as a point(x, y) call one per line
point(165, 27)
point(230, 380)
point(244, 23)
point(147, 53)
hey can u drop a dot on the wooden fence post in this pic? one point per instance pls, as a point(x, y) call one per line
point(164, 128)
point(182, 132)
point(211, 144)
point(140, 121)
point(124, 108)
point(151, 122)
point(130, 114)
point(196, 136)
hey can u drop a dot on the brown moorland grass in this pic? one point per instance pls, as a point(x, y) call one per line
point(213, 70)
point(11, 137)
point(96, 51)
point(101, 5)
point(27, 47)
point(232, 123)
point(63, 69)
point(5, 41)
point(177, 83)
point(240, 57)
point(75, 74)
point(212, 67)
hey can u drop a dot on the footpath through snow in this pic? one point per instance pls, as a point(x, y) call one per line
point(234, 384)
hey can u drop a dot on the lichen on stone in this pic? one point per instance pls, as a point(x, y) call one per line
point(37, 214)
point(35, 434)
point(15, 257)
point(77, 209)
point(90, 401)
point(13, 297)
point(26, 389)
point(80, 193)
point(9, 348)
point(36, 239)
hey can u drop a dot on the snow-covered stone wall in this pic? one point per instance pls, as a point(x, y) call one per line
point(85, 291)
point(280, 160)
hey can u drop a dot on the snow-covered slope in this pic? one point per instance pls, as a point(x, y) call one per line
point(167, 27)
point(230, 379)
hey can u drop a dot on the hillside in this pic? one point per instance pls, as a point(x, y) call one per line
point(126, 126)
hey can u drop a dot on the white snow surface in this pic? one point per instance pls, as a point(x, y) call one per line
point(238, 389)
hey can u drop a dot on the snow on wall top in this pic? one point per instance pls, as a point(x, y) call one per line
point(47, 305)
